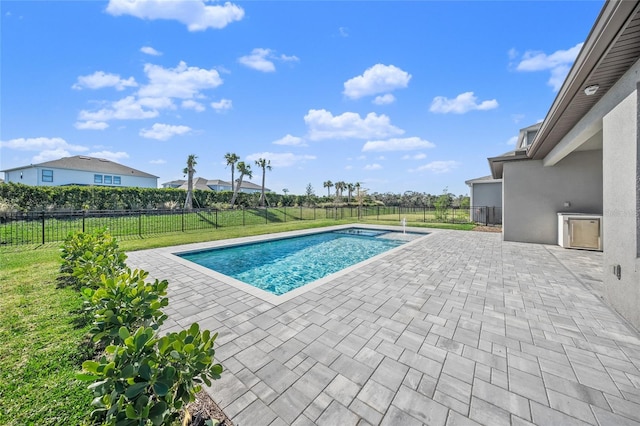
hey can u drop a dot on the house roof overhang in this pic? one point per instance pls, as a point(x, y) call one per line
point(496, 164)
point(610, 50)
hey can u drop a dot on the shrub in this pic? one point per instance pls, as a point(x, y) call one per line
point(125, 300)
point(89, 256)
point(148, 380)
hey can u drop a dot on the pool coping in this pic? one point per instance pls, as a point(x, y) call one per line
point(171, 254)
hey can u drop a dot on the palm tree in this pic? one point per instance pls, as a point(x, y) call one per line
point(339, 187)
point(244, 170)
point(232, 159)
point(328, 184)
point(350, 188)
point(264, 165)
point(189, 171)
point(285, 191)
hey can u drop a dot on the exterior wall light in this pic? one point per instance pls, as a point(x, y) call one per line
point(591, 90)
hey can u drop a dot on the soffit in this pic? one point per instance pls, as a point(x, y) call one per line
point(612, 47)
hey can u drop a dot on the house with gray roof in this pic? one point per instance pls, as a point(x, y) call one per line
point(585, 157)
point(214, 185)
point(80, 170)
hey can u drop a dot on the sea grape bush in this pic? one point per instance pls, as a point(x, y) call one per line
point(142, 378)
point(88, 256)
point(125, 300)
point(148, 380)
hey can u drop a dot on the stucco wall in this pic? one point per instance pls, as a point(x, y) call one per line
point(487, 194)
point(533, 195)
point(621, 179)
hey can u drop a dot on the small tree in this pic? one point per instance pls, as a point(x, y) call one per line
point(442, 204)
point(310, 193)
point(328, 184)
point(264, 165)
point(244, 170)
point(231, 159)
point(189, 171)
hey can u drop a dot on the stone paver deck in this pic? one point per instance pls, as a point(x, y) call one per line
point(458, 328)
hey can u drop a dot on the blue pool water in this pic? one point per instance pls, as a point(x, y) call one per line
point(283, 265)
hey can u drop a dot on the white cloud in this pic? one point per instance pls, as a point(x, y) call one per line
point(91, 125)
point(180, 82)
point(128, 108)
point(100, 79)
point(438, 167)
point(286, 58)
point(343, 31)
point(512, 140)
point(419, 156)
point(262, 59)
point(397, 144)
point(191, 104)
point(384, 99)
point(290, 141)
point(324, 125)
point(374, 166)
point(109, 155)
point(258, 60)
point(559, 63)
point(163, 132)
point(222, 105)
point(41, 144)
point(150, 51)
point(158, 161)
point(348, 167)
point(283, 159)
point(49, 155)
point(195, 14)
point(463, 103)
point(377, 79)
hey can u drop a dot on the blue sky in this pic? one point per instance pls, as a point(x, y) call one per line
point(395, 95)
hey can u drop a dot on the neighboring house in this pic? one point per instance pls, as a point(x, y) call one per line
point(173, 183)
point(585, 156)
point(214, 185)
point(80, 170)
point(486, 200)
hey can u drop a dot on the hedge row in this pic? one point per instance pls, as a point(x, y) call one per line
point(31, 198)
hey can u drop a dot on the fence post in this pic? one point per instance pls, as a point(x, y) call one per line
point(266, 216)
point(486, 216)
point(378, 214)
point(140, 223)
point(42, 226)
point(243, 216)
point(216, 223)
point(314, 212)
point(84, 214)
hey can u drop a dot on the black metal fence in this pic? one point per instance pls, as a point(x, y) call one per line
point(45, 227)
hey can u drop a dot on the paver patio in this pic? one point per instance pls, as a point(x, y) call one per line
point(457, 328)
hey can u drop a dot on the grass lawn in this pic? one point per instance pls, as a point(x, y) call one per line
point(41, 330)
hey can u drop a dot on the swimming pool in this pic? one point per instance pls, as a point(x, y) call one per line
point(282, 265)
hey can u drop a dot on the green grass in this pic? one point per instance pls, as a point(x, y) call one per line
point(132, 225)
point(41, 332)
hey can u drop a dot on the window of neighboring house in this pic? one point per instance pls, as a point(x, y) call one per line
point(116, 180)
point(97, 178)
point(107, 179)
point(47, 175)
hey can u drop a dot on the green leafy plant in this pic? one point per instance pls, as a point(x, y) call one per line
point(125, 300)
point(147, 380)
point(88, 256)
